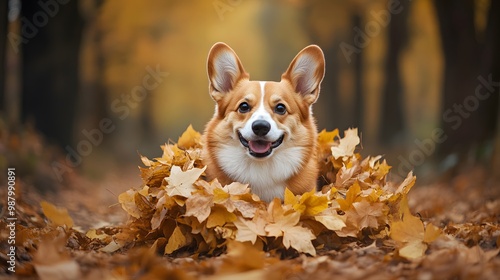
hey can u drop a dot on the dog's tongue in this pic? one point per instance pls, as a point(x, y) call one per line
point(259, 147)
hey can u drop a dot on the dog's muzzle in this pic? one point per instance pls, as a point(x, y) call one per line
point(260, 147)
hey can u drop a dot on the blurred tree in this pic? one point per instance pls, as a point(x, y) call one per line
point(392, 119)
point(92, 97)
point(50, 67)
point(3, 40)
point(491, 60)
point(330, 25)
point(467, 58)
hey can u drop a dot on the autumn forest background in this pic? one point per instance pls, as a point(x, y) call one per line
point(406, 73)
point(87, 86)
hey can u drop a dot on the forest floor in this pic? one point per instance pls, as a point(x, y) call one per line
point(466, 207)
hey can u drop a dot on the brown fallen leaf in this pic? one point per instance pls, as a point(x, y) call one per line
point(52, 259)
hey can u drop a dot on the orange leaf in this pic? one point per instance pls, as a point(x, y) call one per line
point(189, 139)
point(176, 241)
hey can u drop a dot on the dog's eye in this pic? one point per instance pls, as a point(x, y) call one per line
point(280, 109)
point(244, 108)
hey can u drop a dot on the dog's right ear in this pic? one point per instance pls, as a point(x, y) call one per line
point(224, 70)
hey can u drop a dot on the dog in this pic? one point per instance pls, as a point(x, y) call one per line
point(263, 133)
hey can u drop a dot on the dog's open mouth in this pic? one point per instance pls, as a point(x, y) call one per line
point(260, 148)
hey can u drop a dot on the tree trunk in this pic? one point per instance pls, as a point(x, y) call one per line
point(460, 49)
point(3, 40)
point(393, 122)
point(50, 68)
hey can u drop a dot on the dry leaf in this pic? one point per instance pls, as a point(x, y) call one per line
point(331, 219)
point(189, 138)
point(248, 230)
point(285, 223)
point(58, 216)
point(219, 217)
point(199, 205)
point(309, 203)
point(181, 182)
point(241, 256)
point(176, 241)
point(366, 214)
point(347, 144)
point(411, 233)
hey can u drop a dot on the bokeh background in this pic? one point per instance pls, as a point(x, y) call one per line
point(86, 85)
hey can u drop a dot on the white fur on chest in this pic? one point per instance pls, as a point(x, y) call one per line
point(266, 177)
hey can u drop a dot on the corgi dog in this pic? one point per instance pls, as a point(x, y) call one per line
point(263, 133)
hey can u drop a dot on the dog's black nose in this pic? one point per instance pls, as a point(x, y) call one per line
point(261, 127)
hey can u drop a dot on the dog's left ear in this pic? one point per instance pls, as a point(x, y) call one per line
point(306, 72)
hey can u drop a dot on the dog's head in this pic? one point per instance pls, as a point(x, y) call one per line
point(262, 118)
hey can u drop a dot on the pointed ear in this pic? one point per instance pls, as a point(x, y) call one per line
point(306, 72)
point(224, 70)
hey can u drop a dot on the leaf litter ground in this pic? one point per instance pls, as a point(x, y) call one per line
point(359, 225)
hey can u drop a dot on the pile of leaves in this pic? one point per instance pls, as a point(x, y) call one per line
point(184, 214)
point(181, 226)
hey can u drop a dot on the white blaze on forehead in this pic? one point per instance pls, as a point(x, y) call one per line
point(261, 114)
point(261, 109)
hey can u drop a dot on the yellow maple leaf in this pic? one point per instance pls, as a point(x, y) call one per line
point(432, 232)
point(190, 138)
point(326, 139)
point(381, 170)
point(347, 144)
point(229, 194)
point(285, 223)
point(181, 182)
point(282, 219)
point(309, 203)
point(411, 233)
point(219, 217)
point(290, 198)
point(58, 216)
point(220, 196)
point(351, 196)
